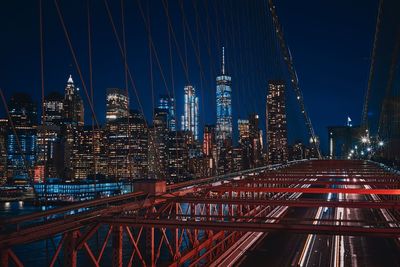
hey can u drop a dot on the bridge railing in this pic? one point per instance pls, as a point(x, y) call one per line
point(18, 222)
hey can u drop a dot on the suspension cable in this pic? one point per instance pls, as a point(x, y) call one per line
point(364, 117)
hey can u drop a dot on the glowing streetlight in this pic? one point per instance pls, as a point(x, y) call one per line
point(380, 143)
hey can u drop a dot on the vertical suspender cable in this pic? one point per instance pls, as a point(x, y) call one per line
point(364, 118)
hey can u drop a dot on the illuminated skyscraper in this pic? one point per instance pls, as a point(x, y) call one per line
point(168, 103)
point(276, 123)
point(117, 104)
point(190, 119)
point(224, 120)
point(224, 105)
point(73, 104)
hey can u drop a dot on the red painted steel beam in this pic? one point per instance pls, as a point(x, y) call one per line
point(387, 232)
point(297, 181)
point(360, 191)
point(292, 203)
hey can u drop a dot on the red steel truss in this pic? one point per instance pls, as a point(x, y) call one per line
point(193, 223)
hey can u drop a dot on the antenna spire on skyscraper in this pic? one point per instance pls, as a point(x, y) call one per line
point(70, 79)
point(223, 60)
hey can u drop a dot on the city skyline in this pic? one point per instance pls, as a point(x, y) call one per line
point(54, 77)
point(200, 133)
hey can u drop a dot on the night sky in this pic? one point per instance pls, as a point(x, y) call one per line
point(330, 42)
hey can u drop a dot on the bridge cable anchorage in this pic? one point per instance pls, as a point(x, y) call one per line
point(294, 79)
point(364, 116)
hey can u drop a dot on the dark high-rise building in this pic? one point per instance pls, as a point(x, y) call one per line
point(244, 144)
point(3, 150)
point(53, 109)
point(237, 159)
point(48, 134)
point(256, 143)
point(88, 157)
point(117, 104)
point(276, 123)
point(342, 139)
point(209, 140)
point(298, 151)
point(21, 141)
point(73, 104)
point(390, 128)
point(168, 103)
point(157, 148)
point(178, 156)
point(47, 138)
point(190, 119)
point(127, 147)
point(209, 150)
point(23, 110)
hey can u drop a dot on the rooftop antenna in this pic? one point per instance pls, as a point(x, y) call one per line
point(223, 60)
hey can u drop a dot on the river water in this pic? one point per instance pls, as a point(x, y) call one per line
point(40, 253)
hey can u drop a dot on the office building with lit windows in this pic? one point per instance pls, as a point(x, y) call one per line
point(168, 103)
point(117, 104)
point(73, 104)
point(256, 142)
point(127, 147)
point(158, 145)
point(53, 108)
point(48, 134)
point(276, 123)
point(190, 118)
point(22, 140)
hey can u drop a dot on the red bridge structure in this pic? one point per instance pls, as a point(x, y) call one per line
point(211, 220)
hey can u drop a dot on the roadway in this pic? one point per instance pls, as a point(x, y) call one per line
point(286, 249)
